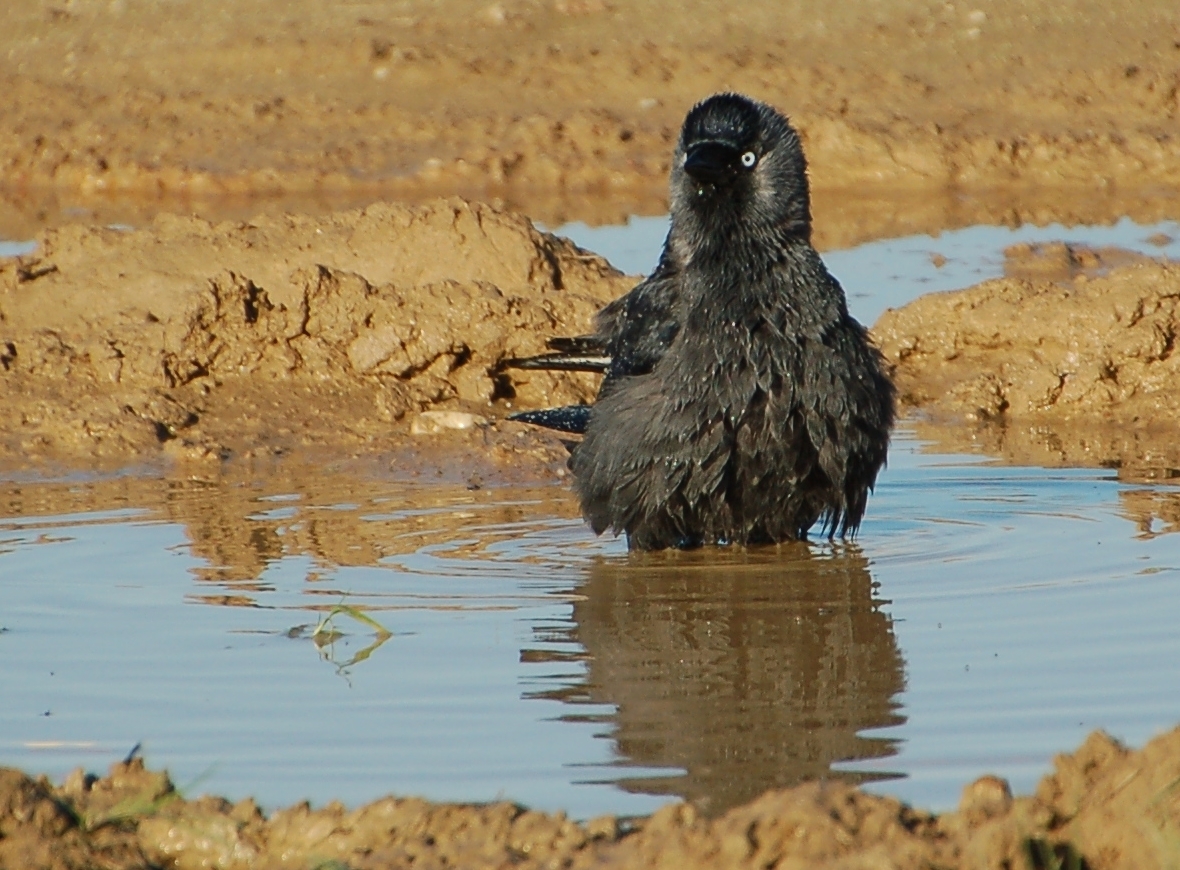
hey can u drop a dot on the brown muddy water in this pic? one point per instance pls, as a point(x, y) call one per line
point(987, 617)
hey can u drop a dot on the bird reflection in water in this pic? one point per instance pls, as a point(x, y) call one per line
point(745, 670)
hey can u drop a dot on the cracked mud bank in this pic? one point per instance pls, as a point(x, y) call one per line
point(214, 340)
point(1070, 361)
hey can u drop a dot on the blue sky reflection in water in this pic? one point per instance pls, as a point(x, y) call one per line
point(16, 249)
point(892, 272)
point(988, 617)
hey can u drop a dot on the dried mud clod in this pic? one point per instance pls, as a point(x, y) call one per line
point(208, 340)
point(1103, 807)
point(1074, 363)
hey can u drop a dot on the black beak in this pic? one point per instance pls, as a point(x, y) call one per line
point(711, 162)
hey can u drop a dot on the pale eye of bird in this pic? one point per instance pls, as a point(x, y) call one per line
point(749, 159)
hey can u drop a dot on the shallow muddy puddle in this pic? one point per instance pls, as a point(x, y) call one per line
point(987, 617)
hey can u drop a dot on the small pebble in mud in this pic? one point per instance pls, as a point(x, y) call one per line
point(603, 828)
point(987, 797)
point(433, 422)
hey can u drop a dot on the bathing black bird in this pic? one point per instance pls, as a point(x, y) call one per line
point(741, 403)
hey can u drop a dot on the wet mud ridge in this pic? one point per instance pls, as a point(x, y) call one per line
point(1069, 361)
point(1103, 807)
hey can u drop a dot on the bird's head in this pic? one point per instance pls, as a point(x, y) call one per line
point(740, 160)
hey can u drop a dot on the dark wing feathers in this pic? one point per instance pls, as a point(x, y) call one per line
point(631, 335)
point(572, 418)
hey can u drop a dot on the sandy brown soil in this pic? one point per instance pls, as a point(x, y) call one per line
point(567, 108)
point(1103, 807)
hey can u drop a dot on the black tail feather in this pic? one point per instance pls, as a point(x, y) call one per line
point(577, 353)
point(561, 362)
point(571, 418)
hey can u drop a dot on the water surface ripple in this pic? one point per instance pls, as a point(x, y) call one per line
point(988, 617)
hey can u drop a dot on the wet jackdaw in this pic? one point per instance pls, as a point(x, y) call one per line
point(741, 403)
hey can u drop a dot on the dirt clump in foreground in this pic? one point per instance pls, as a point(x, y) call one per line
point(1104, 804)
point(213, 340)
point(1074, 363)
